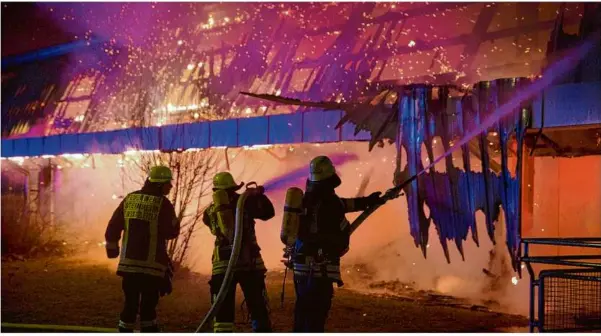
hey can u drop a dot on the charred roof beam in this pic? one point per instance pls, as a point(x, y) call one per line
point(421, 45)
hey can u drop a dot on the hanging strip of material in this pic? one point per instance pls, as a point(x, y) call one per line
point(426, 117)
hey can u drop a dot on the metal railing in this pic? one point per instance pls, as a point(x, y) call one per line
point(568, 299)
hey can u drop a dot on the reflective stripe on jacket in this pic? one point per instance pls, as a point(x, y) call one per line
point(147, 220)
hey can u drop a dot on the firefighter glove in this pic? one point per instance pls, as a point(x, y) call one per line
point(375, 199)
point(112, 253)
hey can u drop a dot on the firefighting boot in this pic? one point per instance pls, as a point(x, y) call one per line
point(149, 327)
point(126, 327)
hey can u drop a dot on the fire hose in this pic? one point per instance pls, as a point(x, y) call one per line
point(390, 194)
point(236, 246)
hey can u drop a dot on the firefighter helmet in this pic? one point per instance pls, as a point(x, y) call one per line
point(225, 180)
point(321, 168)
point(160, 174)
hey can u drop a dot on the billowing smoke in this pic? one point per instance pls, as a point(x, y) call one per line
point(87, 196)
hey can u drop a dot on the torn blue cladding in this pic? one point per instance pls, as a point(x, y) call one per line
point(454, 197)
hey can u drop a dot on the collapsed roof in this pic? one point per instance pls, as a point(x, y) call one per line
point(157, 64)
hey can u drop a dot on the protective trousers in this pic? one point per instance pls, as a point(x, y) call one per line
point(255, 294)
point(313, 303)
point(141, 293)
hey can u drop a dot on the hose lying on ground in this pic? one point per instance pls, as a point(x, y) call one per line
point(229, 273)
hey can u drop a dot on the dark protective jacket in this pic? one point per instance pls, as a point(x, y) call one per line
point(324, 232)
point(256, 207)
point(147, 220)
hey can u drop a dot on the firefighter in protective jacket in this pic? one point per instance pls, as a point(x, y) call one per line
point(250, 269)
point(323, 237)
point(147, 219)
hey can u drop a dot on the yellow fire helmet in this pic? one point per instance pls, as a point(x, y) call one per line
point(225, 180)
point(321, 168)
point(160, 174)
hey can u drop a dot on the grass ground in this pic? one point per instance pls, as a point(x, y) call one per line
point(73, 292)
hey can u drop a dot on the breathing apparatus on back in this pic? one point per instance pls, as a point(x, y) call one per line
point(320, 169)
point(293, 210)
point(225, 215)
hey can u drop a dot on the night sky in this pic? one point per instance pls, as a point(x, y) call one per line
point(26, 27)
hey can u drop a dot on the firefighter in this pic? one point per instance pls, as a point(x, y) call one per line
point(250, 269)
point(147, 219)
point(323, 237)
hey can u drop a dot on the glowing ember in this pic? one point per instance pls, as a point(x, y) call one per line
point(211, 59)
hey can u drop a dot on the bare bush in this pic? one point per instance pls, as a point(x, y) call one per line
point(192, 173)
point(28, 230)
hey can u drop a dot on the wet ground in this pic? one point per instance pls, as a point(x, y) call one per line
point(77, 293)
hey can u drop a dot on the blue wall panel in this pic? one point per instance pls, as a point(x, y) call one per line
point(320, 126)
point(224, 133)
point(150, 138)
point(285, 129)
point(7, 148)
point(103, 142)
point(119, 141)
point(52, 145)
point(253, 131)
point(279, 129)
point(92, 143)
point(85, 143)
point(132, 138)
point(348, 133)
point(70, 144)
point(196, 135)
point(36, 146)
point(569, 105)
point(21, 147)
point(172, 137)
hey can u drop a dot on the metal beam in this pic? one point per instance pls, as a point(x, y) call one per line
point(301, 127)
point(421, 45)
point(478, 35)
point(42, 54)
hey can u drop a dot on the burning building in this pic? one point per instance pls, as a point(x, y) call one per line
point(166, 82)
